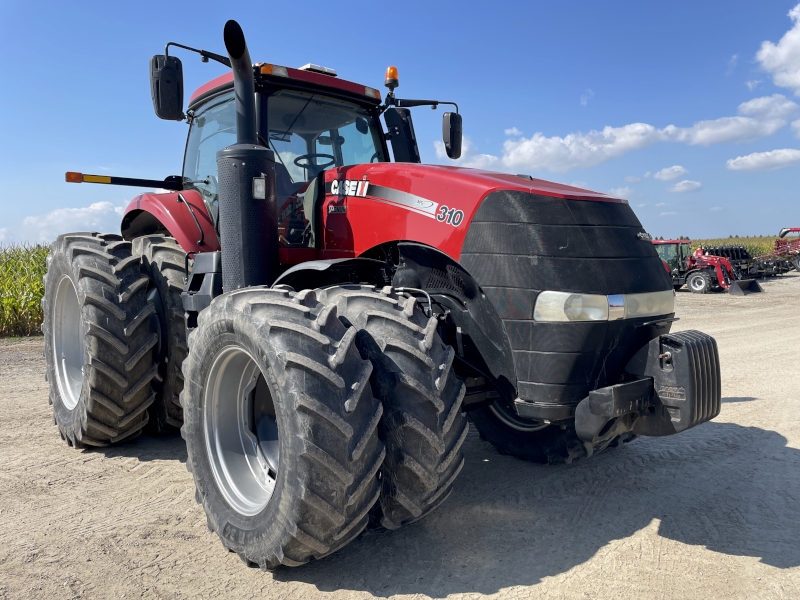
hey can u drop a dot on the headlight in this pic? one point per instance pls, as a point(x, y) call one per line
point(649, 304)
point(564, 307)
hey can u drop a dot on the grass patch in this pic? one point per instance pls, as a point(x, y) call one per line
point(755, 245)
point(21, 288)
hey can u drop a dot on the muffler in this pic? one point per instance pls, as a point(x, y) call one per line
point(248, 220)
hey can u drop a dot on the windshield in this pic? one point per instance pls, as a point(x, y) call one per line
point(310, 133)
point(669, 254)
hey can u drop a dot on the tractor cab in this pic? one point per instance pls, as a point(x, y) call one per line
point(674, 252)
point(308, 131)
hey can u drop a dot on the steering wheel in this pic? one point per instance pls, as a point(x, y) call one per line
point(304, 161)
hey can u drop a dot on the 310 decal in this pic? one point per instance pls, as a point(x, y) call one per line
point(451, 216)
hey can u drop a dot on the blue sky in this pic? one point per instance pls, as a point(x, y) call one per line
point(607, 95)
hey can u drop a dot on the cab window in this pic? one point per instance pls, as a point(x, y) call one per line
point(213, 128)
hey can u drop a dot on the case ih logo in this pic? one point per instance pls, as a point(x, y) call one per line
point(350, 187)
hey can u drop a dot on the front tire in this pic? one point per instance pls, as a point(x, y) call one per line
point(423, 426)
point(281, 426)
point(699, 282)
point(98, 343)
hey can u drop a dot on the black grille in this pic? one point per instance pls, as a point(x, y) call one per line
point(519, 244)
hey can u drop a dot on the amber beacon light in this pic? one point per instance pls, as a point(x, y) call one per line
point(391, 78)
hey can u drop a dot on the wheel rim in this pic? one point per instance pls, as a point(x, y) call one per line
point(241, 431)
point(509, 416)
point(68, 344)
point(697, 283)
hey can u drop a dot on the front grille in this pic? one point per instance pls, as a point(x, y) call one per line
point(520, 244)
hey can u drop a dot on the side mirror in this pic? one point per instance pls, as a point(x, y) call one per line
point(451, 134)
point(166, 87)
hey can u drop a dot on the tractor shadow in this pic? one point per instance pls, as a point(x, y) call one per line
point(731, 489)
point(148, 446)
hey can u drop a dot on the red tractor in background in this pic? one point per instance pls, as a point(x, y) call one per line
point(701, 272)
point(320, 321)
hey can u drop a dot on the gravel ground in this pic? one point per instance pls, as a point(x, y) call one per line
point(711, 513)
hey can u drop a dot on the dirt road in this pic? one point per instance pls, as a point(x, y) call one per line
point(711, 513)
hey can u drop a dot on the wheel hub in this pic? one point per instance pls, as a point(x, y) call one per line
point(241, 431)
point(68, 343)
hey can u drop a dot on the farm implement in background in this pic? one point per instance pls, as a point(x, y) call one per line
point(703, 271)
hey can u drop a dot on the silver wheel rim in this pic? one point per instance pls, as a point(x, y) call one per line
point(697, 283)
point(241, 431)
point(68, 344)
point(508, 416)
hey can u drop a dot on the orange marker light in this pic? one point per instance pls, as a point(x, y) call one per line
point(74, 177)
point(392, 80)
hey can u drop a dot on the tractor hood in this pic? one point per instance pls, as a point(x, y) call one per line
point(430, 204)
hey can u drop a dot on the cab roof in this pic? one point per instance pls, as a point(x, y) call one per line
point(672, 241)
point(297, 76)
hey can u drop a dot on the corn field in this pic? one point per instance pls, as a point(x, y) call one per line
point(755, 245)
point(21, 289)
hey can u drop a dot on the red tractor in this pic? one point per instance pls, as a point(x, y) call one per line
point(700, 271)
point(319, 320)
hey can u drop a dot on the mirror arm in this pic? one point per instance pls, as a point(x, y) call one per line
point(205, 54)
point(411, 103)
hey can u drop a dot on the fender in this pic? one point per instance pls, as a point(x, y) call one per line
point(166, 213)
point(322, 273)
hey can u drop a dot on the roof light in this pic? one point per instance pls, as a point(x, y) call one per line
point(318, 69)
point(372, 93)
point(268, 69)
point(73, 177)
point(392, 80)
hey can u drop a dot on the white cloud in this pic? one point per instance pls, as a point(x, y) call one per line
point(766, 161)
point(757, 118)
point(647, 174)
point(670, 173)
point(632, 179)
point(586, 96)
point(715, 208)
point(512, 131)
point(661, 204)
point(469, 156)
point(685, 186)
point(752, 84)
point(100, 216)
point(640, 205)
point(3, 232)
point(621, 192)
point(667, 214)
point(782, 60)
point(579, 184)
point(734, 60)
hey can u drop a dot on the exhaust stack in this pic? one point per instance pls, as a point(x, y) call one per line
point(248, 223)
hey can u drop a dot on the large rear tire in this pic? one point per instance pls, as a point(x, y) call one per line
point(423, 426)
point(98, 343)
point(281, 426)
point(163, 261)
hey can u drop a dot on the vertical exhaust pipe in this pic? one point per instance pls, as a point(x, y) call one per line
point(248, 221)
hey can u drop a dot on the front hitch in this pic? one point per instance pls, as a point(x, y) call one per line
point(674, 385)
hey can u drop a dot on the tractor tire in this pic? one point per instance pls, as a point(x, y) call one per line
point(163, 262)
point(699, 282)
point(423, 426)
point(281, 426)
point(531, 440)
point(98, 343)
point(796, 262)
